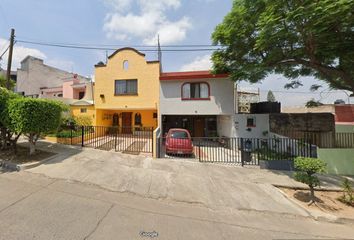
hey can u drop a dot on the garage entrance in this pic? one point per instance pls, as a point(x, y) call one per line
point(197, 125)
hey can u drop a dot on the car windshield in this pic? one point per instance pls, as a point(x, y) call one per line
point(179, 134)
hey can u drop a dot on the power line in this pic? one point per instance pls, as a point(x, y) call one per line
point(113, 49)
point(4, 51)
point(301, 92)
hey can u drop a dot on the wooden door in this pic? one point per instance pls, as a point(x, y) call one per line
point(127, 122)
point(199, 127)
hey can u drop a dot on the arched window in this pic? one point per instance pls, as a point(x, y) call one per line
point(196, 91)
point(125, 64)
point(137, 119)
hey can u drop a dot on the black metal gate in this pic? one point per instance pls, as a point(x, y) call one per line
point(242, 151)
point(132, 140)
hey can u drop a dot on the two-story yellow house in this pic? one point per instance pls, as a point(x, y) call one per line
point(127, 90)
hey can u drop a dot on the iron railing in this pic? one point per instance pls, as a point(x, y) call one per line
point(132, 140)
point(245, 151)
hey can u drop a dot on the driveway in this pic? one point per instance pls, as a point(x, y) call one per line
point(93, 194)
point(217, 187)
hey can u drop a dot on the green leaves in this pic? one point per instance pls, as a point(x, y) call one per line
point(306, 168)
point(309, 165)
point(290, 37)
point(34, 116)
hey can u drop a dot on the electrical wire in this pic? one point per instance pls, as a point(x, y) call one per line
point(4, 51)
point(117, 45)
point(91, 47)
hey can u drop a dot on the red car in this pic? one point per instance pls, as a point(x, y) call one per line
point(178, 141)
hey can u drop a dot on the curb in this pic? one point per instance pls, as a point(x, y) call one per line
point(324, 217)
point(337, 189)
point(21, 167)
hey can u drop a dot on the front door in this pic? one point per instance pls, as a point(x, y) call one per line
point(127, 122)
point(199, 127)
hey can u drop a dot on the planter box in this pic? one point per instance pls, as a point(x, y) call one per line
point(286, 165)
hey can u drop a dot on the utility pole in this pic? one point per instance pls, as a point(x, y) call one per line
point(12, 40)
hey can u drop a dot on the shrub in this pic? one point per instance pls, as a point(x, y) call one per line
point(68, 134)
point(34, 117)
point(83, 120)
point(7, 136)
point(348, 195)
point(68, 121)
point(306, 168)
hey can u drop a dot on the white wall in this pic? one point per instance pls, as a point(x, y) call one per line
point(226, 126)
point(261, 125)
point(221, 98)
point(33, 75)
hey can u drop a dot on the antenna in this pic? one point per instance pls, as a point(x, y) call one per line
point(159, 52)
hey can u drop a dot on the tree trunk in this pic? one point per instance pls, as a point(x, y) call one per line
point(312, 195)
point(3, 138)
point(32, 143)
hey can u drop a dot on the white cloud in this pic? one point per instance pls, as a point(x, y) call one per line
point(118, 5)
point(199, 63)
point(19, 53)
point(150, 20)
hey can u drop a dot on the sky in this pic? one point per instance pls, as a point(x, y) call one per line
point(130, 23)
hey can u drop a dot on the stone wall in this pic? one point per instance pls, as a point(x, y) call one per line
point(303, 122)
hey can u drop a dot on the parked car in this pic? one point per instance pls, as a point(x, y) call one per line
point(179, 141)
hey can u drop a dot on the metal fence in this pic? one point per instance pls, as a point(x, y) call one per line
point(132, 140)
point(321, 139)
point(344, 140)
point(244, 151)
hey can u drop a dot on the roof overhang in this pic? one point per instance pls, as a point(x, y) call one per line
point(170, 76)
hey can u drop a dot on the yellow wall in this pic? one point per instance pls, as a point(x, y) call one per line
point(91, 112)
point(146, 73)
point(105, 117)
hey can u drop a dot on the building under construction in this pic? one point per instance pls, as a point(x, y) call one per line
point(245, 98)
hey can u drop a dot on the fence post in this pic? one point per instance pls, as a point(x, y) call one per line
point(82, 135)
point(242, 154)
point(115, 139)
point(71, 135)
point(152, 141)
point(199, 151)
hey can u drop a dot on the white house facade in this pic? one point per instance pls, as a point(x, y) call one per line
point(199, 101)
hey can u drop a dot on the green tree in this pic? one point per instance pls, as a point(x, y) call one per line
point(290, 37)
point(7, 136)
point(34, 117)
point(270, 96)
point(307, 168)
point(3, 82)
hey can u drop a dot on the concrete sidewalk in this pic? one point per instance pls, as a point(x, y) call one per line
point(217, 187)
point(33, 206)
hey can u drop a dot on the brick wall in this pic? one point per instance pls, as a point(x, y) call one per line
point(344, 113)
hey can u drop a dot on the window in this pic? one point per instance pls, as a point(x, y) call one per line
point(125, 64)
point(195, 91)
point(179, 134)
point(81, 95)
point(126, 87)
point(83, 110)
point(251, 122)
point(137, 119)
